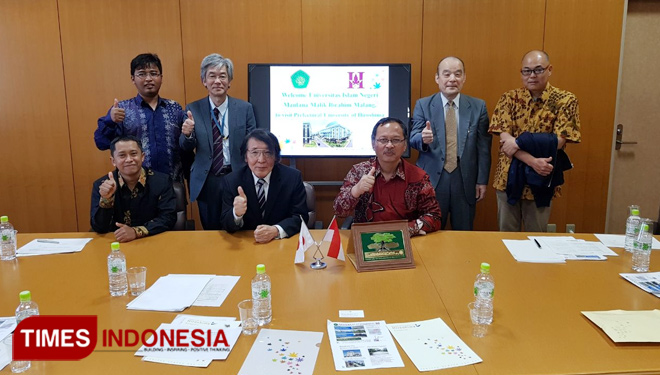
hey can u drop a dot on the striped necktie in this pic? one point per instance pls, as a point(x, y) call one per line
point(261, 195)
point(218, 157)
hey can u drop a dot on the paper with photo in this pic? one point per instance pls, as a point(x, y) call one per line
point(276, 352)
point(47, 246)
point(527, 251)
point(432, 345)
point(627, 326)
point(216, 291)
point(362, 345)
point(619, 240)
point(648, 281)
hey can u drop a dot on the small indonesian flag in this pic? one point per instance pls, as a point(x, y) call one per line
point(336, 250)
point(305, 241)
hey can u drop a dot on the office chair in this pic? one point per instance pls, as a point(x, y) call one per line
point(182, 222)
point(311, 207)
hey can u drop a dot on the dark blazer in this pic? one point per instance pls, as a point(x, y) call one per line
point(285, 204)
point(241, 122)
point(474, 141)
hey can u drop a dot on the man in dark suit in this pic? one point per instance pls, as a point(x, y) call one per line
point(218, 127)
point(264, 196)
point(450, 130)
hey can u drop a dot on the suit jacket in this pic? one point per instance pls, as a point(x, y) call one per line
point(474, 141)
point(286, 201)
point(241, 122)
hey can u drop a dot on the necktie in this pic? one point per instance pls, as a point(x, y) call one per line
point(261, 195)
point(451, 160)
point(218, 158)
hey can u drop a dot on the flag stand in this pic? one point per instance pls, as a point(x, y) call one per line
point(318, 265)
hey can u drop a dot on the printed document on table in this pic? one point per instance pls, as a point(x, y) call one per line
point(215, 292)
point(188, 350)
point(5, 354)
point(627, 326)
point(282, 352)
point(432, 345)
point(171, 293)
point(619, 240)
point(197, 321)
point(47, 246)
point(573, 249)
point(7, 326)
point(528, 251)
point(649, 282)
point(362, 345)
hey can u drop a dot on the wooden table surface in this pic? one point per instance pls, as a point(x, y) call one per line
point(537, 328)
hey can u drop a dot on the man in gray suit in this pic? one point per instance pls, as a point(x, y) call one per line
point(450, 130)
point(219, 124)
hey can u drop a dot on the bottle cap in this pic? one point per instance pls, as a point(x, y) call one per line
point(635, 212)
point(114, 246)
point(4, 219)
point(25, 296)
point(485, 267)
point(261, 268)
point(645, 227)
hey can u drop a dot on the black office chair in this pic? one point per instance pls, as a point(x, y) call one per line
point(311, 207)
point(182, 222)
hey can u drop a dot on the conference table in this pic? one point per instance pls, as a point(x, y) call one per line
point(537, 327)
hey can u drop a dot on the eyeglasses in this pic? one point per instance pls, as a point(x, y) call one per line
point(213, 77)
point(256, 154)
point(538, 71)
point(143, 75)
point(395, 141)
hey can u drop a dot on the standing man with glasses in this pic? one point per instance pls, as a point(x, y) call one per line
point(450, 131)
point(264, 196)
point(387, 187)
point(534, 124)
point(154, 120)
point(218, 126)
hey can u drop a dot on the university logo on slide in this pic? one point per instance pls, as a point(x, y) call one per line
point(54, 337)
point(300, 79)
point(355, 80)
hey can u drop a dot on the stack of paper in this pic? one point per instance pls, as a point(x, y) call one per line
point(573, 249)
point(190, 359)
point(171, 293)
point(619, 240)
point(280, 352)
point(46, 246)
point(362, 345)
point(528, 251)
point(649, 282)
point(627, 326)
point(432, 345)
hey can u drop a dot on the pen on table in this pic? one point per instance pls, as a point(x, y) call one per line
point(537, 243)
point(48, 241)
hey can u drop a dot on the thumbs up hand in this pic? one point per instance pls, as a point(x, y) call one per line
point(117, 114)
point(188, 125)
point(427, 134)
point(108, 187)
point(366, 184)
point(240, 203)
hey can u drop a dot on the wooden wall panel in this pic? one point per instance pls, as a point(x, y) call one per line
point(491, 38)
point(99, 40)
point(36, 183)
point(345, 31)
point(583, 39)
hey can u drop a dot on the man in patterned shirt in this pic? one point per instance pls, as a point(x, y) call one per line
point(387, 187)
point(132, 201)
point(538, 107)
point(155, 121)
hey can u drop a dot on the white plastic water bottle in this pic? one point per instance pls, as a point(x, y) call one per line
point(641, 257)
point(117, 271)
point(26, 308)
point(632, 227)
point(8, 237)
point(261, 307)
point(484, 287)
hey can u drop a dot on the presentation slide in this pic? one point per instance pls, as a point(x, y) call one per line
point(327, 110)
